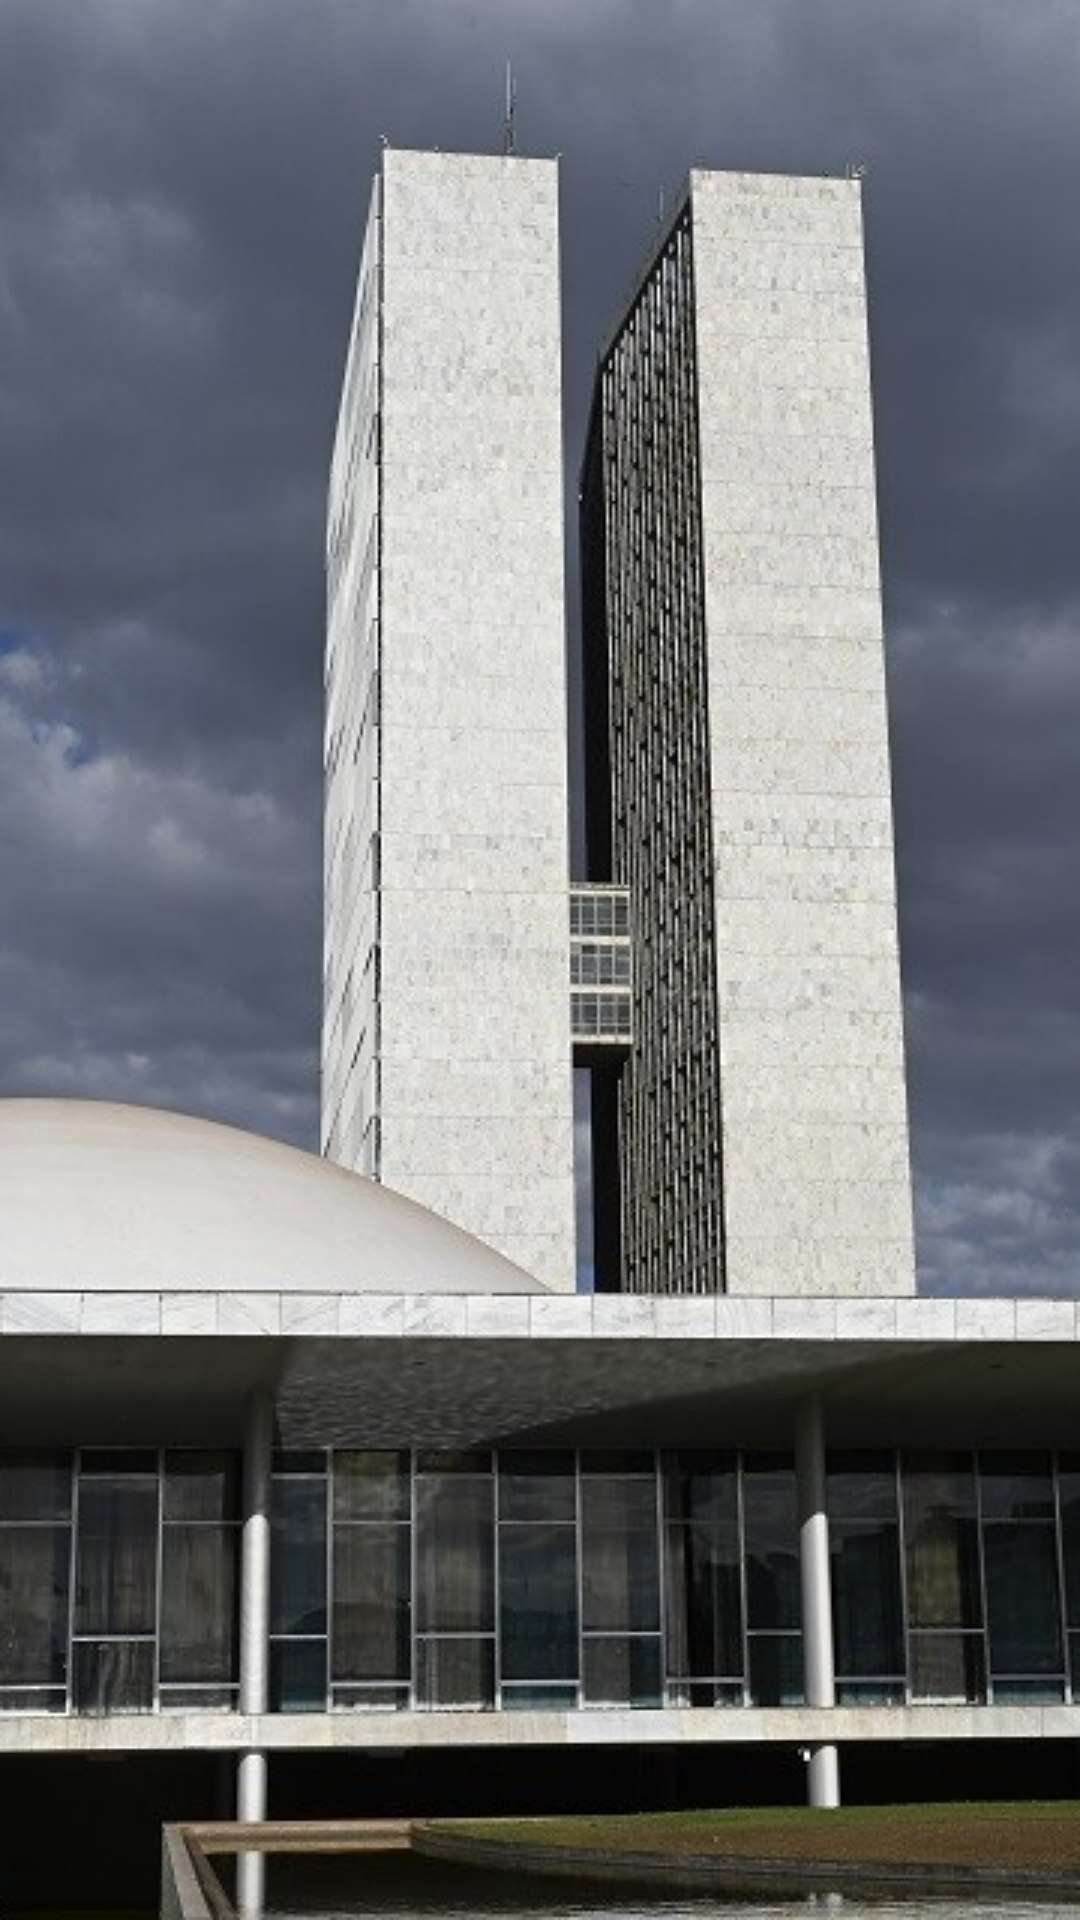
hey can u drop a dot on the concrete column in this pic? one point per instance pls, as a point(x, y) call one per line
point(823, 1772)
point(254, 1637)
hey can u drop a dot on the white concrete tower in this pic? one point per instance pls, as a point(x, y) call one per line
point(734, 650)
point(446, 1036)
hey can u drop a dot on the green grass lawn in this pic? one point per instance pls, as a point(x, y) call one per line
point(1037, 1835)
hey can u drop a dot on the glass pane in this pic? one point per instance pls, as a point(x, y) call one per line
point(374, 1699)
point(35, 1484)
point(455, 1554)
point(869, 1693)
point(199, 1603)
point(298, 1557)
point(865, 1561)
point(622, 1672)
point(537, 1699)
point(620, 1561)
point(455, 1673)
point(772, 1541)
point(705, 1693)
point(947, 1667)
point(457, 1460)
point(33, 1700)
point(114, 1677)
point(297, 1676)
point(776, 1669)
point(538, 1602)
point(701, 1487)
point(941, 1541)
point(201, 1486)
point(1069, 1493)
point(371, 1603)
point(1016, 1486)
point(119, 1460)
point(704, 1601)
point(297, 1460)
point(371, 1486)
point(1074, 1664)
point(1023, 1693)
point(618, 1460)
point(1022, 1598)
point(861, 1486)
point(197, 1699)
point(536, 1486)
point(116, 1578)
point(34, 1574)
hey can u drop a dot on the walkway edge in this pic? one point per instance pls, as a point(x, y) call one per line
point(703, 1871)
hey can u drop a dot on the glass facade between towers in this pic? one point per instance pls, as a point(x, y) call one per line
point(528, 1579)
point(601, 967)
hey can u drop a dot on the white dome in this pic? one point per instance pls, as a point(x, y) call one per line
point(95, 1196)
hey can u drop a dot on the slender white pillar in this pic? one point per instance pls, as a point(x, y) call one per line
point(823, 1771)
point(254, 1638)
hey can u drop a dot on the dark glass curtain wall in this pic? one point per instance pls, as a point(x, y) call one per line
point(531, 1579)
point(118, 1581)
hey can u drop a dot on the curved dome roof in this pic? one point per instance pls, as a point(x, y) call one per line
point(97, 1196)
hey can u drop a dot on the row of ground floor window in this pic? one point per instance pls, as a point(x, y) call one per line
point(535, 1579)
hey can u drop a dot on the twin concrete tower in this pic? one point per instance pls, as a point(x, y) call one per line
point(728, 968)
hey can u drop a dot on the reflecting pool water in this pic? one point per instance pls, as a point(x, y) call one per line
point(395, 1888)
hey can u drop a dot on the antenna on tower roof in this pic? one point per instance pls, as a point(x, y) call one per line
point(511, 103)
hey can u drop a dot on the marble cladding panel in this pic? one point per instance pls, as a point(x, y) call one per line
point(783, 508)
point(761, 459)
point(435, 324)
point(502, 863)
point(513, 1215)
point(438, 700)
point(824, 1096)
point(481, 1026)
point(420, 807)
point(433, 1144)
point(761, 765)
point(809, 209)
point(790, 985)
point(807, 1037)
point(766, 266)
point(761, 312)
point(778, 1148)
point(804, 561)
point(491, 1086)
point(474, 960)
point(839, 664)
point(471, 210)
point(822, 1267)
point(818, 929)
point(785, 821)
point(824, 1209)
point(817, 1187)
point(809, 872)
point(512, 756)
point(788, 611)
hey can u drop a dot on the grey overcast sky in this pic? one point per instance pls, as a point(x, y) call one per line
point(182, 190)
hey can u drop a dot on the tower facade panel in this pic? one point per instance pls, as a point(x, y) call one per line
point(736, 714)
point(471, 1102)
point(815, 1150)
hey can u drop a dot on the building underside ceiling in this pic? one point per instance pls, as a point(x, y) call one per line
point(393, 1392)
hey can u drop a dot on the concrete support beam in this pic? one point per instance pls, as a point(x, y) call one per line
point(823, 1773)
point(254, 1637)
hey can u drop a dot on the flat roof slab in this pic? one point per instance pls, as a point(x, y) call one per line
point(395, 1370)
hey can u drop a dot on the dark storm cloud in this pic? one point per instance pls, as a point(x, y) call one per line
point(183, 189)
